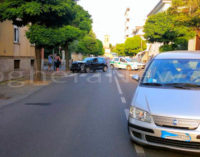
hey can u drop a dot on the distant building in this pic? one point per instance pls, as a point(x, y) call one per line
point(162, 6)
point(16, 52)
point(139, 31)
point(106, 45)
point(128, 23)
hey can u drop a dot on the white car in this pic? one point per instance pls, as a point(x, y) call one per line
point(124, 63)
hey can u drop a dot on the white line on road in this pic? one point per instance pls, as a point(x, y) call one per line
point(126, 113)
point(82, 75)
point(70, 75)
point(123, 100)
point(139, 150)
point(118, 86)
point(119, 74)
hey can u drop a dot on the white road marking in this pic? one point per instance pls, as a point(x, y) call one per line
point(70, 75)
point(123, 100)
point(119, 74)
point(139, 150)
point(82, 75)
point(126, 113)
point(118, 86)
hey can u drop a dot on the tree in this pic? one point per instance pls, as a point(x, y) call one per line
point(44, 17)
point(134, 45)
point(44, 37)
point(101, 50)
point(164, 28)
point(120, 49)
point(83, 21)
point(90, 46)
point(41, 12)
point(60, 20)
point(187, 12)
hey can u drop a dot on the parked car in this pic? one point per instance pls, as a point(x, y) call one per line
point(124, 63)
point(90, 64)
point(165, 110)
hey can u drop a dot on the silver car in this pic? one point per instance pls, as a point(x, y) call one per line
point(165, 110)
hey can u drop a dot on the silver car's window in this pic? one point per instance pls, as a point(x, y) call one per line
point(173, 71)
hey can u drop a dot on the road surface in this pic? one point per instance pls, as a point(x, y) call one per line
point(82, 115)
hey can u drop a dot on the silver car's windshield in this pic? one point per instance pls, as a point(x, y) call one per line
point(173, 72)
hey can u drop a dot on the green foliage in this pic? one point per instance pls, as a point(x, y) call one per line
point(101, 50)
point(162, 27)
point(82, 19)
point(42, 12)
point(187, 12)
point(43, 36)
point(177, 45)
point(134, 45)
point(90, 46)
point(53, 22)
point(120, 49)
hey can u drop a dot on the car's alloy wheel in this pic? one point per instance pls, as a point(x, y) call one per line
point(82, 68)
point(105, 69)
point(87, 69)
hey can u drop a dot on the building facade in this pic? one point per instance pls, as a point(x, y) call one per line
point(128, 31)
point(106, 45)
point(16, 52)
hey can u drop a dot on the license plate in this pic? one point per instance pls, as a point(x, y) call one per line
point(176, 136)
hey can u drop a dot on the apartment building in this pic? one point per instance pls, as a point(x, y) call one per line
point(128, 31)
point(16, 52)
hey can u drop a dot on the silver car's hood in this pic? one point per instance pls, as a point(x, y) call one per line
point(168, 102)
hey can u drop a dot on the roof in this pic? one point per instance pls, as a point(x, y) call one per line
point(159, 6)
point(179, 55)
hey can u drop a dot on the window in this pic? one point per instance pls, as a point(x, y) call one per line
point(16, 64)
point(32, 63)
point(173, 71)
point(101, 60)
point(122, 60)
point(116, 59)
point(95, 60)
point(16, 34)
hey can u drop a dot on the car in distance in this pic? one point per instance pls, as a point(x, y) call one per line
point(165, 109)
point(90, 64)
point(125, 63)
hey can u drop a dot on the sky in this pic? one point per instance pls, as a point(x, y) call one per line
point(108, 16)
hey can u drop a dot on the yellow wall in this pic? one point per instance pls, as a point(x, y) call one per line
point(7, 45)
point(6, 39)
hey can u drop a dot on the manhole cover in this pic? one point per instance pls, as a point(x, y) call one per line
point(39, 104)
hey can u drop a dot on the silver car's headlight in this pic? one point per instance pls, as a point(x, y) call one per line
point(140, 115)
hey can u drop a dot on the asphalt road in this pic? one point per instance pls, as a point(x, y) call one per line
point(82, 115)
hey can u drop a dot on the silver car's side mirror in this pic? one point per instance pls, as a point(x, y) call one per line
point(136, 77)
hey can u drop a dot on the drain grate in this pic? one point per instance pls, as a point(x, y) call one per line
point(39, 104)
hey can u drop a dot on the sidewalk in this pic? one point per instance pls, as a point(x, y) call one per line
point(20, 88)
